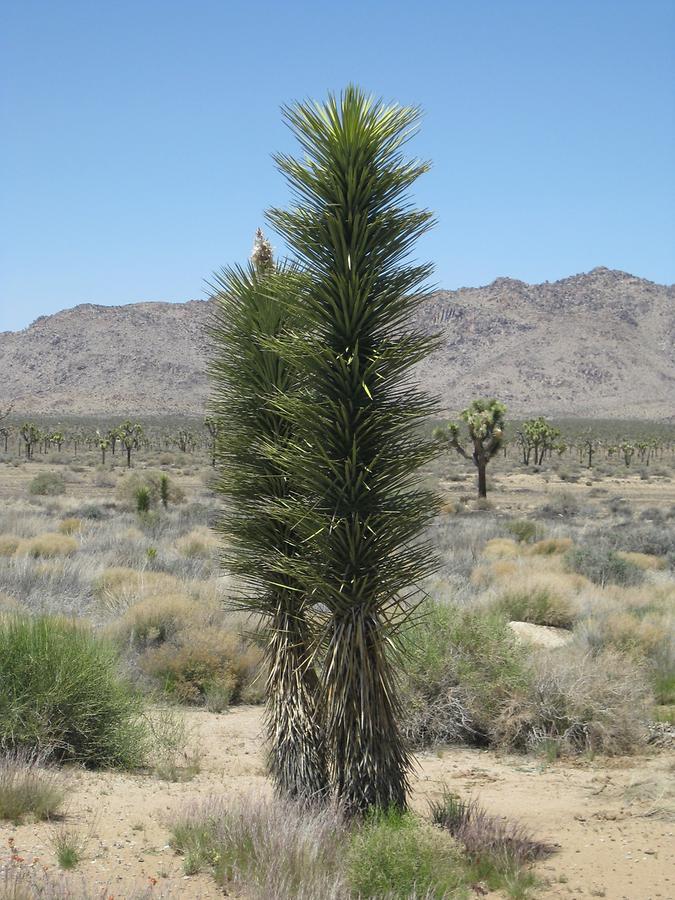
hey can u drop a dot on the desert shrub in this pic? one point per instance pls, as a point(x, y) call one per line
point(551, 546)
point(602, 565)
point(507, 844)
point(620, 507)
point(560, 505)
point(394, 855)
point(206, 664)
point(70, 525)
point(656, 540)
point(538, 604)
point(47, 484)
point(60, 692)
point(48, 545)
point(464, 667)
point(29, 788)
point(93, 512)
point(150, 481)
point(200, 542)
point(524, 530)
point(9, 544)
point(579, 702)
point(276, 848)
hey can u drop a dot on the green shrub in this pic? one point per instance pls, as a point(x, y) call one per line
point(47, 484)
point(464, 667)
point(158, 485)
point(603, 566)
point(394, 855)
point(523, 530)
point(142, 499)
point(540, 606)
point(60, 692)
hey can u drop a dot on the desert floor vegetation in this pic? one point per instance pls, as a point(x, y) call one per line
point(542, 665)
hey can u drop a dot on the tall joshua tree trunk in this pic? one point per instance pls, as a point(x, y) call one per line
point(253, 308)
point(358, 444)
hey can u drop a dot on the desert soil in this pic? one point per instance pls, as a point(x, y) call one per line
point(612, 819)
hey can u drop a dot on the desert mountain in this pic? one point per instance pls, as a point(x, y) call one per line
point(600, 343)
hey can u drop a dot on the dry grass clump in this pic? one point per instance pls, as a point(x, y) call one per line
point(9, 544)
point(29, 788)
point(499, 548)
point(551, 546)
point(70, 525)
point(49, 545)
point(275, 848)
point(160, 618)
point(644, 561)
point(484, 575)
point(199, 543)
point(119, 587)
point(484, 835)
point(21, 880)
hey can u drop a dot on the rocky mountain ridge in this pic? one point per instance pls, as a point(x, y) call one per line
point(595, 344)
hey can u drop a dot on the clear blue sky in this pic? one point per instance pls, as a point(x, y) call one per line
point(136, 136)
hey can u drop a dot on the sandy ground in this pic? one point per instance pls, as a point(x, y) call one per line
point(612, 819)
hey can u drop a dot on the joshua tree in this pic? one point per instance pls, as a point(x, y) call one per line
point(185, 440)
point(4, 429)
point(113, 437)
point(103, 444)
point(129, 436)
point(627, 450)
point(254, 306)
point(538, 437)
point(164, 490)
point(358, 417)
point(589, 445)
point(31, 435)
point(56, 437)
point(485, 424)
point(214, 426)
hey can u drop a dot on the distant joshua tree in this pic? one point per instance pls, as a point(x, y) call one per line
point(56, 437)
point(31, 435)
point(214, 426)
point(103, 444)
point(589, 444)
point(4, 429)
point(627, 451)
point(485, 424)
point(185, 440)
point(130, 436)
point(538, 437)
